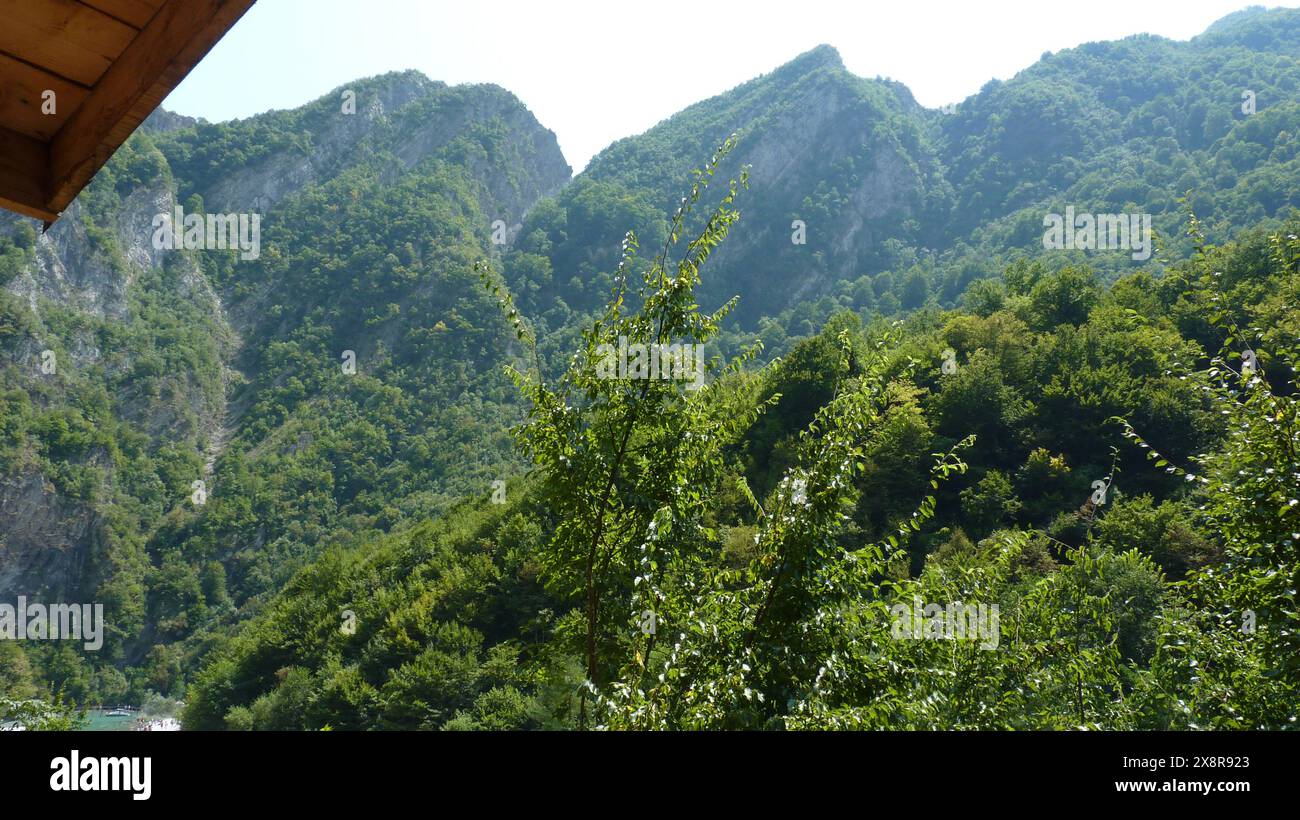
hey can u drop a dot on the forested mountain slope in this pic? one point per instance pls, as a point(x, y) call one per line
point(904, 206)
point(342, 400)
point(768, 527)
point(346, 377)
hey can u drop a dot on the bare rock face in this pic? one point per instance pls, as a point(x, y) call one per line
point(429, 125)
point(826, 119)
point(135, 225)
point(414, 119)
point(72, 272)
point(837, 169)
point(44, 547)
point(78, 285)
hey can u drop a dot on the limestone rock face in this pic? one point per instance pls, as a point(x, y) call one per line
point(837, 166)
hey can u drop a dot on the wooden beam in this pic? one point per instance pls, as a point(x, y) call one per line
point(132, 12)
point(176, 38)
point(64, 37)
point(24, 163)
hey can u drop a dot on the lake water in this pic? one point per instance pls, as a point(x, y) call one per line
point(98, 720)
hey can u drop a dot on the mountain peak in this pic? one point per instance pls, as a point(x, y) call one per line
point(1274, 30)
point(1239, 16)
point(822, 56)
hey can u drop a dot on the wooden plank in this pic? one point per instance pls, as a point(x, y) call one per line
point(21, 103)
point(23, 165)
point(133, 12)
point(177, 37)
point(63, 37)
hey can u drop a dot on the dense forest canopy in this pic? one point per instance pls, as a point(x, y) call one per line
point(424, 503)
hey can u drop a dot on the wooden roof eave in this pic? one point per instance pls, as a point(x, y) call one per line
point(40, 179)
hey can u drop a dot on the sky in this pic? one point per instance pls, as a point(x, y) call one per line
point(594, 72)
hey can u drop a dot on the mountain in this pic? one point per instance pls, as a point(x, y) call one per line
point(904, 206)
point(763, 531)
point(845, 156)
point(176, 367)
point(341, 397)
point(1085, 126)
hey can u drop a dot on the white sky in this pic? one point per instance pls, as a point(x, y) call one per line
point(595, 71)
